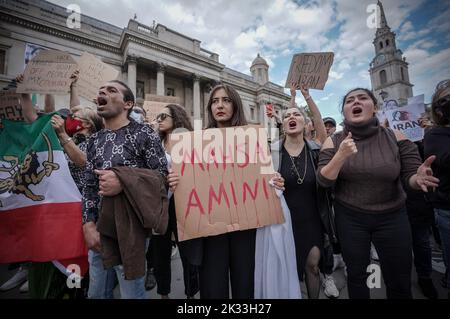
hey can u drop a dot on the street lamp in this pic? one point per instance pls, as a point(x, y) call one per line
point(384, 95)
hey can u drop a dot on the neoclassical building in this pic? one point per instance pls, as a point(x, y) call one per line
point(389, 70)
point(151, 59)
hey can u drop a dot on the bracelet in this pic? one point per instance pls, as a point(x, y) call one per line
point(66, 141)
point(308, 97)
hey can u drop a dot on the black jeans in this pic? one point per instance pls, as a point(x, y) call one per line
point(327, 261)
point(228, 257)
point(422, 249)
point(161, 253)
point(391, 235)
point(161, 256)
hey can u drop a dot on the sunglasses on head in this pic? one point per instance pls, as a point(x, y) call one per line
point(443, 101)
point(443, 84)
point(162, 116)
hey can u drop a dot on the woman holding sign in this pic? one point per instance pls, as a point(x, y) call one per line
point(231, 256)
point(368, 165)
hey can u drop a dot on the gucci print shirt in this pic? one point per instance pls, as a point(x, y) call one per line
point(134, 145)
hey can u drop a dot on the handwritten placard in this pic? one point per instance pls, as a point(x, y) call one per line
point(93, 73)
point(10, 107)
point(224, 181)
point(310, 69)
point(49, 72)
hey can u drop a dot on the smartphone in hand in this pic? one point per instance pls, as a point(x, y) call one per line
point(269, 110)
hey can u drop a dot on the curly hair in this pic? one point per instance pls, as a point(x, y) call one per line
point(180, 119)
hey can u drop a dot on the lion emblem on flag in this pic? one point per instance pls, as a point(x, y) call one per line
point(22, 176)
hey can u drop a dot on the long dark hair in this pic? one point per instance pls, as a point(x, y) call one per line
point(438, 117)
point(180, 119)
point(369, 93)
point(238, 118)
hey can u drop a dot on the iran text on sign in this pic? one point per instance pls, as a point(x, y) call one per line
point(223, 182)
point(49, 72)
point(310, 69)
point(406, 120)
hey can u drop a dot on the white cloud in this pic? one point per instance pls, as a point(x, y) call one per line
point(237, 30)
point(427, 69)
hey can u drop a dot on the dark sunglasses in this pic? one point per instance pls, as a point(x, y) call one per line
point(162, 116)
point(443, 101)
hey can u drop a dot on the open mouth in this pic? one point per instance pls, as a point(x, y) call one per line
point(357, 110)
point(292, 124)
point(101, 101)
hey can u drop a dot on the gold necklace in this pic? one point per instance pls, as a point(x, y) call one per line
point(300, 179)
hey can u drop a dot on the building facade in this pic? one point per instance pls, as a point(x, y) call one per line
point(151, 60)
point(389, 74)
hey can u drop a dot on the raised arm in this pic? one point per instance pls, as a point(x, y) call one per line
point(49, 104)
point(28, 111)
point(77, 156)
point(74, 99)
point(293, 89)
point(321, 132)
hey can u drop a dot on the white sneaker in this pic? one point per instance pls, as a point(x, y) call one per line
point(338, 262)
point(329, 287)
point(19, 278)
point(373, 253)
point(24, 288)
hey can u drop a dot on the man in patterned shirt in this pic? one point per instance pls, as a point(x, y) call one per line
point(123, 142)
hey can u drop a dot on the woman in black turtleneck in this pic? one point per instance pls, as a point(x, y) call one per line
point(367, 165)
point(437, 142)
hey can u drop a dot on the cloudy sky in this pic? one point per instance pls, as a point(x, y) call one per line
point(238, 29)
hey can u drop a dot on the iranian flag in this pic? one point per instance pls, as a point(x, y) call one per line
point(40, 205)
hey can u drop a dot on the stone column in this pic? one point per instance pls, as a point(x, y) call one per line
point(196, 97)
point(161, 69)
point(132, 73)
point(206, 92)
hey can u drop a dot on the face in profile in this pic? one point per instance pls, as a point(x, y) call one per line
point(165, 121)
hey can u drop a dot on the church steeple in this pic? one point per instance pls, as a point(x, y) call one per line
point(383, 22)
point(384, 38)
point(389, 69)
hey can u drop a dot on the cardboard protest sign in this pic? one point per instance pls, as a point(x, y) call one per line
point(152, 109)
point(310, 69)
point(406, 118)
point(93, 73)
point(48, 73)
point(224, 181)
point(154, 104)
point(10, 107)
